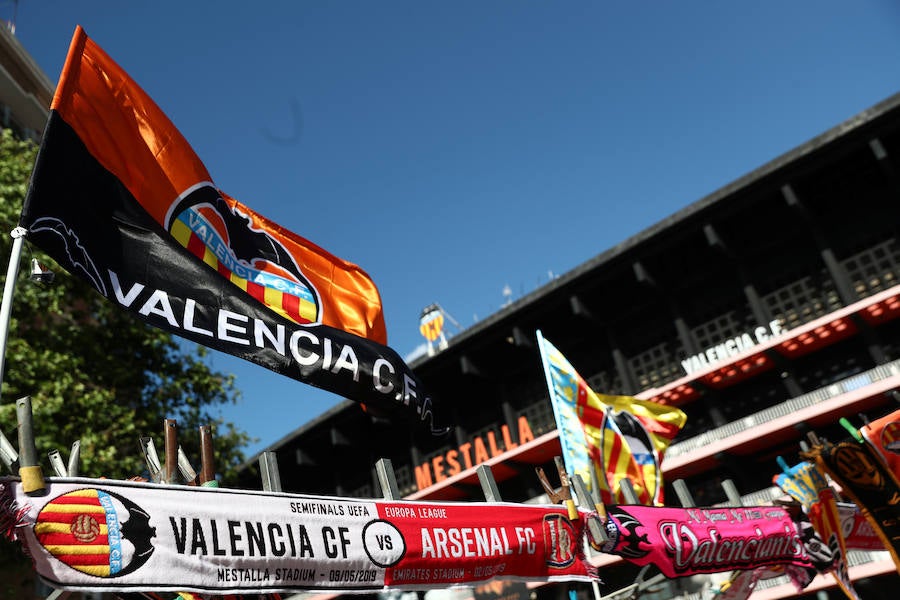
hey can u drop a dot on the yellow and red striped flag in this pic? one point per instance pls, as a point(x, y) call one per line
point(616, 437)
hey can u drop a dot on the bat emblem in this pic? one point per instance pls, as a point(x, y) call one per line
point(79, 261)
point(628, 543)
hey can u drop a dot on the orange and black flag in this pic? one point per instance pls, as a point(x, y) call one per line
point(119, 198)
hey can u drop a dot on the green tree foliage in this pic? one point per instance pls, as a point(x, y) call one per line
point(95, 373)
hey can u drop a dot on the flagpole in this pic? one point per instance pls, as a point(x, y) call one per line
point(12, 271)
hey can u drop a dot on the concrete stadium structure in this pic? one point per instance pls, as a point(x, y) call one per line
point(765, 310)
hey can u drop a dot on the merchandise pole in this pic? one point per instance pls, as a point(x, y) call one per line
point(18, 236)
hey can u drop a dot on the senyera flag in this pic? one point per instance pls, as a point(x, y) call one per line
point(616, 437)
point(119, 198)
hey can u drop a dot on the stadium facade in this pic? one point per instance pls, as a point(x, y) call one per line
point(765, 310)
point(25, 90)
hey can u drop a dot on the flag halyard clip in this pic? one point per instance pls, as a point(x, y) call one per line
point(564, 494)
point(596, 523)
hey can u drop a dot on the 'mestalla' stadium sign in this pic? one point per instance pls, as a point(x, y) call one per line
point(472, 453)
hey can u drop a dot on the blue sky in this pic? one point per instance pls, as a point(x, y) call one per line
point(452, 149)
